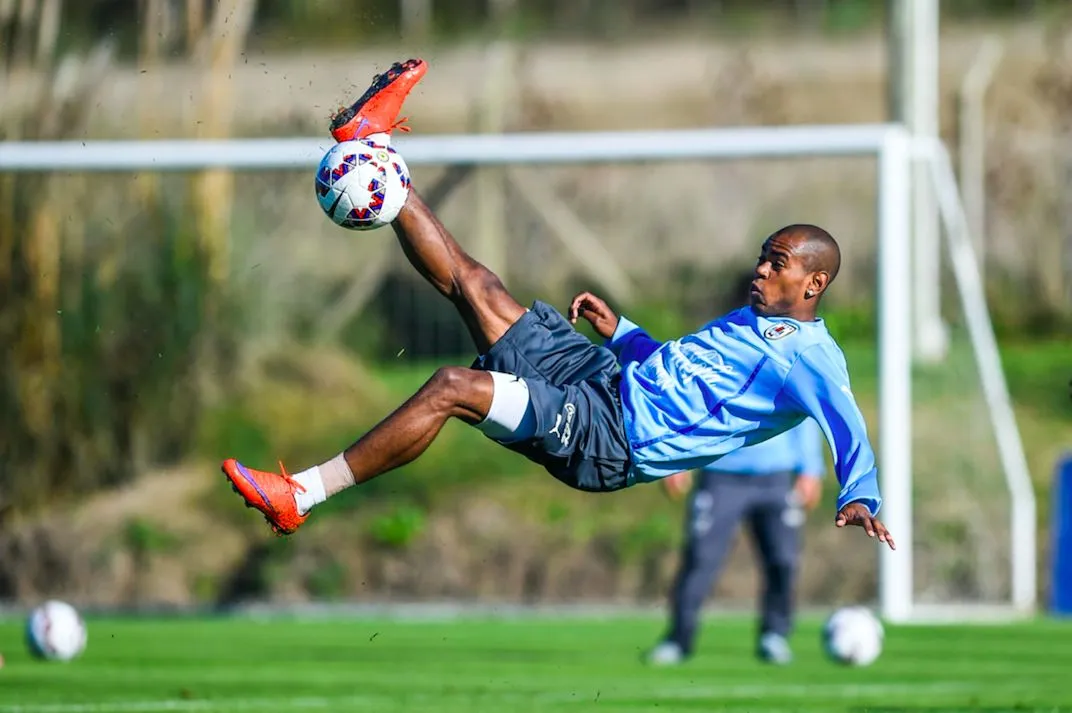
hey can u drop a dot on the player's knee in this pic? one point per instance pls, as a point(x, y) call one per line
point(455, 389)
point(449, 383)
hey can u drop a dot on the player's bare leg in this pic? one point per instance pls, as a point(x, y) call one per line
point(401, 437)
point(453, 392)
point(484, 304)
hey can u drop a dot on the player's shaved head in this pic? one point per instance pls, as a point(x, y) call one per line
point(797, 264)
point(815, 246)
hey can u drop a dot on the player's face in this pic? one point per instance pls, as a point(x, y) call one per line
point(780, 278)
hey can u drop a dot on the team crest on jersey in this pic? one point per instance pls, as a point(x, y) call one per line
point(779, 331)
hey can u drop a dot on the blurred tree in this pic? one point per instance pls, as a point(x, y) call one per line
point(36, 454)
point(216, 50)
point(103, 347)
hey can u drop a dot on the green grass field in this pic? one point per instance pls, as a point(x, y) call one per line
point(500, 666)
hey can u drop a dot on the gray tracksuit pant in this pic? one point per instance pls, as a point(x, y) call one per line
point(719, 502)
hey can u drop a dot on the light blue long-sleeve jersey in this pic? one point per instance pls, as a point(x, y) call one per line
point(799, 450)
point(739, 380)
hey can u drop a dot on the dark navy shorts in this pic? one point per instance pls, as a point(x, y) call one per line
point(573, 386)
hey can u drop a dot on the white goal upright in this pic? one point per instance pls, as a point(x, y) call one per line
point(894, 152)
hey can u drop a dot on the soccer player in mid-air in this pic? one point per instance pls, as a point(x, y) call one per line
point(601, 418)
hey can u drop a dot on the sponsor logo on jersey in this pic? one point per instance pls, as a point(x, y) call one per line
point(779, 330)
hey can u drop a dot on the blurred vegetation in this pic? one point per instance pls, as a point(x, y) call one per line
point(285, 22)
point(398, 528)
point(112, 345)
point(122, 354)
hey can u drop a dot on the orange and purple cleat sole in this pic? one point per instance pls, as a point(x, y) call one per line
point(376, 112)
point(270, 493)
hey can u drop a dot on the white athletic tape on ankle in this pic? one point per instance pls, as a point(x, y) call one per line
point(510, 403)
point(313, 494)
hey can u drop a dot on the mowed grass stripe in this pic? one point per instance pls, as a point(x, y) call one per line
point(477, 665)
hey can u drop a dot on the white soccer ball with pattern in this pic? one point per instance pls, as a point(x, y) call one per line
point(853, 636)
point(361, 184)
point(55, 632)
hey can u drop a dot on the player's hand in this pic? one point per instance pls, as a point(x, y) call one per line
point(678, 485)
point(596, 311)
point(809, 491)
point(858, 515)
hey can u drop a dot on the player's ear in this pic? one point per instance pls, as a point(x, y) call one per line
point(817, 284)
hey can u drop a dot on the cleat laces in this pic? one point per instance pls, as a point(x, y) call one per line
point(286, 476)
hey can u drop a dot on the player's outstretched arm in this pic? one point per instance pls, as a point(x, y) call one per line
point(818, 385)
point(628, 341)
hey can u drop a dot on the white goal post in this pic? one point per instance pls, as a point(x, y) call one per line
point(889, 144)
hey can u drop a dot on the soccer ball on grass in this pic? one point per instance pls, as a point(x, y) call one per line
point(361, 184)
point(853, 636)
point(55, 632)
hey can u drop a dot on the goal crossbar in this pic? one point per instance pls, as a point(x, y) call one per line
point(890, 144)
point(457, 149)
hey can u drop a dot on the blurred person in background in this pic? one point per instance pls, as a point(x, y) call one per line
point(769, 485)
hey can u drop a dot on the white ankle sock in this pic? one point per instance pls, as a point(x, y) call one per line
point(314, 492)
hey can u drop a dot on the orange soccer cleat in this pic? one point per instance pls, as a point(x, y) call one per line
point(376, 112)
point(271, 493)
